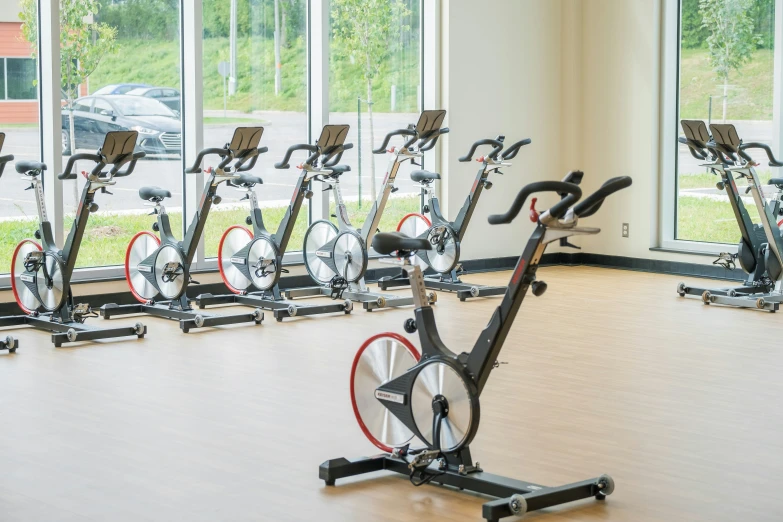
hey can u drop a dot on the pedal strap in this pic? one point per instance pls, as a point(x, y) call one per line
point(337, 285)
point(726, 260)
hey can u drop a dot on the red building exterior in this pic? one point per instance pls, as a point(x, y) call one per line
point(12, 45)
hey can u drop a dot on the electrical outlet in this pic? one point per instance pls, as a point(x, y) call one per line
point(625, 229)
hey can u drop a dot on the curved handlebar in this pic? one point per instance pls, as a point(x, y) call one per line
point(67, 174)
point(115, 171)
point(591, 204)
point(387, 139)
point(773, 162)
point(332, 157)
point(497, 144)
point(428, 142)
point(293, 148)
point(220, 151)
point(696, 151)
point(511, 152)
point(560, 187)
point(4, 160)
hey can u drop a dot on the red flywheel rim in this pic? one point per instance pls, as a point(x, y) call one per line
point(13, 273)
point(402, 340)
point(127, 262)
point(412, 214)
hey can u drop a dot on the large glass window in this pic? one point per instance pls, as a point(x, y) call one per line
point(375, 87)
point(255, 74)
point(19, 121)
point(120, 52)
point(726, 74)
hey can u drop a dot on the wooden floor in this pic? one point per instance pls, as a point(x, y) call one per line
point(609, 372)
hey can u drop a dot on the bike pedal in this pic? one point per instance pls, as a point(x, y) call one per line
point(424, 459)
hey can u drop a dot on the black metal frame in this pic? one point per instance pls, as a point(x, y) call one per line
point(179, 308)
point(65, 325)
point(455, 467)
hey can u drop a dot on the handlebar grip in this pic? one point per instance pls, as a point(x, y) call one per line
point(347, 146)
point(293, 148)
point(263, 150)
point(136, 156)
point(430, 141)
point(66, 174)
point(387, 139)
point(773, 162)
point(495, 143)
point(593, 202)
point(196, 168)
point(512, 151)
point(559, 187)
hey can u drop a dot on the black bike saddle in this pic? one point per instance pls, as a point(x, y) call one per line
point(778, 182)
point(153, 194)
point(246, 180)
point(387, 242)
point(339, 170)
point(424, 176)
point(32, 168)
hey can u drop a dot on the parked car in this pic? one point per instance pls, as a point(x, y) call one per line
point(118, 88)
point(165, 95)
point(159, 128)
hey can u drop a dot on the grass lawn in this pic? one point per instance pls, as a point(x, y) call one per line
point(107, 235)
point(703, 219)
point(750, 91)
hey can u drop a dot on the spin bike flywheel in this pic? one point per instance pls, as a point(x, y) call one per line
point(24, 297)
point(350, 256)
point(380, 359)
point(262, 263)
point(49, 282)
point(445, 250)
point(234, 239)
point(141, 246)
point(171, 274)
point(415, 225)
point(438, 380)
point(319, 233)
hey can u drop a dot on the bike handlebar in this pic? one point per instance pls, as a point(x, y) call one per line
point(223, 152)
point(251, 155)
point(136, 156)
point(4, 160)
point(590, 205)
point(560, 187)
point(511, 152)
point(773, 162)
point(293, 148)
point(398, 132)
point(67, 174)
point(429, 141)
point(497, 144)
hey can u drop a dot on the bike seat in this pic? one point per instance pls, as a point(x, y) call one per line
point(154, 194)
point(339, 170)
point(778, 182)
point(424, 176)
point(387, 242)
point(246, 180)
point(31, 168)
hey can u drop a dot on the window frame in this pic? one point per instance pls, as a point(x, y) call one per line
point(668, 146)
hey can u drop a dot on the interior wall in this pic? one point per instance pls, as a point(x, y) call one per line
point(579, 78)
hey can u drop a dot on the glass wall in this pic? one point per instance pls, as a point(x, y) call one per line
point(375, 87)
point(128, 79)
point(255, 74)
point(725, 76)
point(19, 120)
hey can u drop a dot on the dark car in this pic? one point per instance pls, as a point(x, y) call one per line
point(165, 95)
point(159, 128)
point(118, 88)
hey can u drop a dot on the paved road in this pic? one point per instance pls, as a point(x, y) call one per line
point(283, 129)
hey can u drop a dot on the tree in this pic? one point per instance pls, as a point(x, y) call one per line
point(369, 31)
point(732, 39)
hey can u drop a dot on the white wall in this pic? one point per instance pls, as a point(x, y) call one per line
point(581, 78)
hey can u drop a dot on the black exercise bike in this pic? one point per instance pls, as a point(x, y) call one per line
point(399, 394)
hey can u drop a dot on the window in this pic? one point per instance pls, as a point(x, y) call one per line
point(376, 88)
point(20, 79)
point(147, 54)
point(265, 85)
point(727, 74)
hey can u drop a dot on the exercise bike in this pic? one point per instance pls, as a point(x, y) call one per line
point(731, 148)
point(9, 343)
point(436, 400)
point(161, 267)
point(753, 241)
point(41, 273)
point(255, 259)
point(446, 236)
point(336, 257)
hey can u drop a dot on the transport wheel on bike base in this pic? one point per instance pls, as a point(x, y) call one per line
point(234, 239)
point(141, 246)
point(319, 233)
point(23, 296)
point(381, 358)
